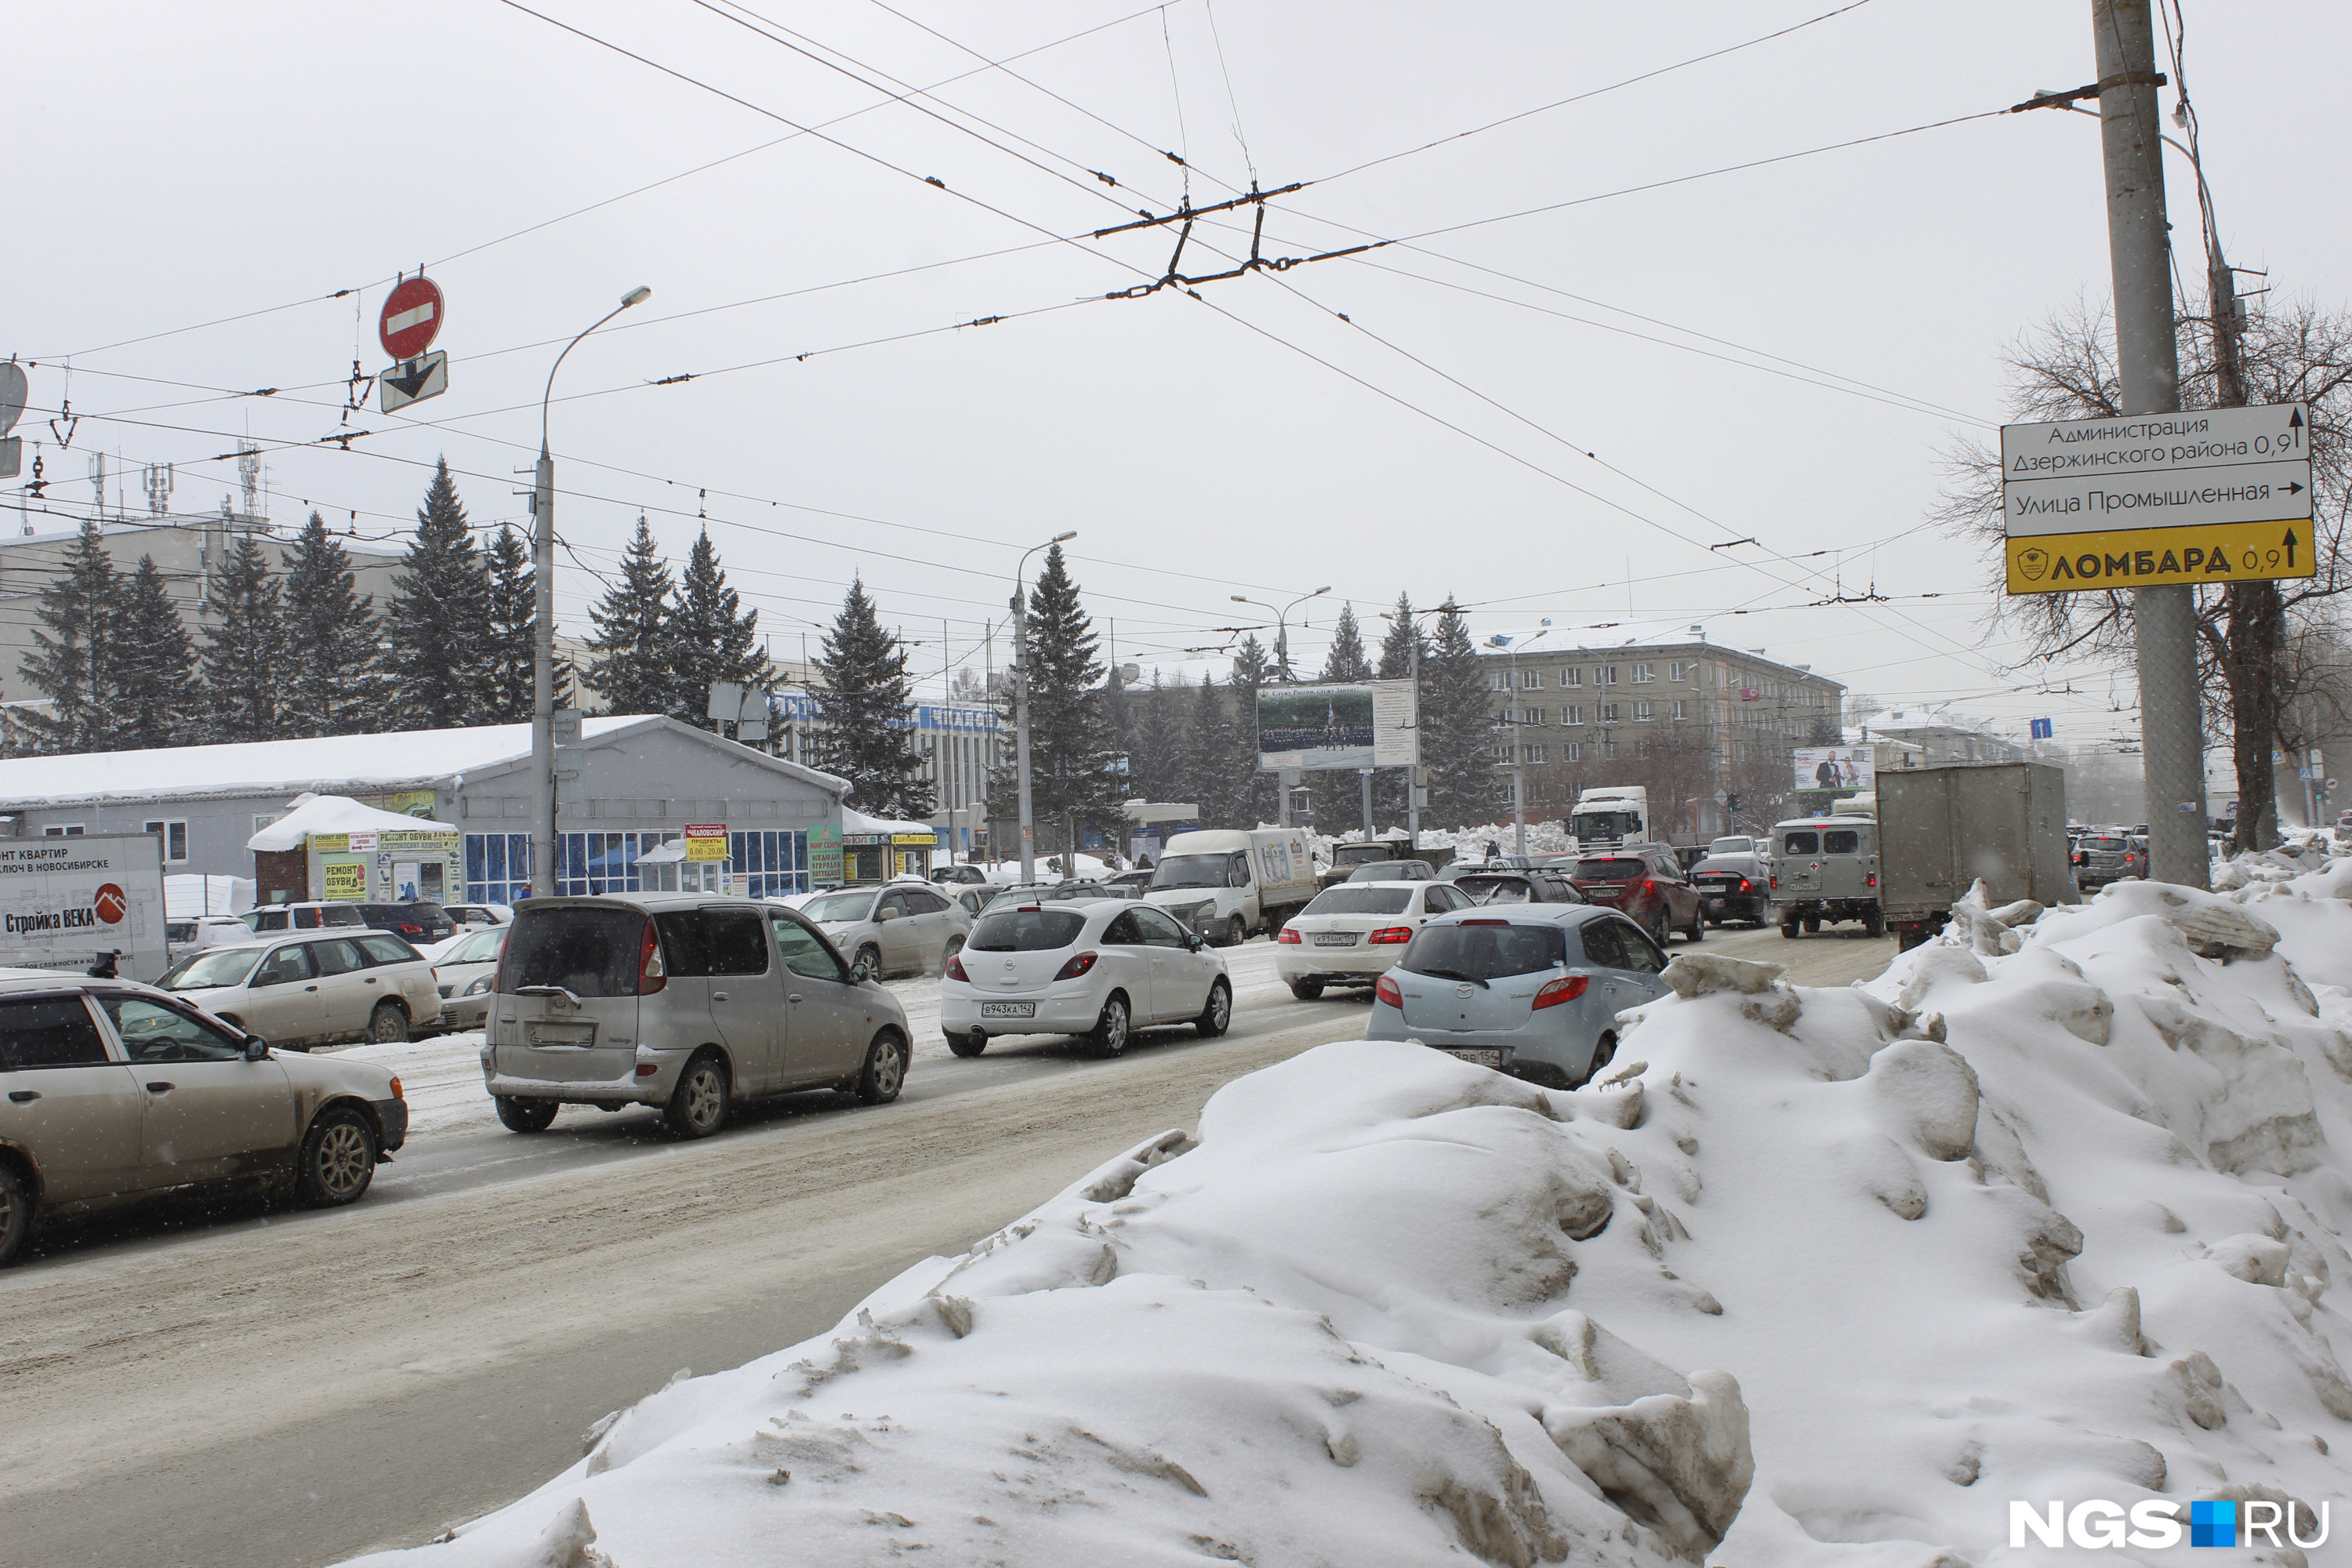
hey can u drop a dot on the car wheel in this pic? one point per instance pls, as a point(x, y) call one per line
point(970, 1044)
point(526, 1115)
point(1659, 933)
point(1874, 924)
point(1306, 990)
point(955, 946)
point(388, 1024)
point(1789, 929)
point(1697, 931)
point(338, 1159)
point(15, 1211)
point(698, 1107)
point(1108, 1037)
point(871, 957)
point(886, 1070)
point(1604, 1051)
point(1219, 1014)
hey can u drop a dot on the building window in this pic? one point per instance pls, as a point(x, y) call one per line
point(1503, 752)
point(1573, 752)
point(1678, 710)
point(1531, 681)
point(173, 831)
point(1643, 713)
point(62, 830)
point(1678, 671)
point(1572, 676)
point(1604, 674)
point(1608, 713)
point(1499, 682)
point(1571, 715)
point(497, 867)
point(1643, 674)
point(1536, 754)
point(771, 864)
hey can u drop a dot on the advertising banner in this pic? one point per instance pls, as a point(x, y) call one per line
point(1835, 767)
point(1323, 729)
point(65, 901)
point(343, 879)
point(705, 841)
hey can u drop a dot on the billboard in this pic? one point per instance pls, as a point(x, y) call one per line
point(1835, 767)
point(1333, 728)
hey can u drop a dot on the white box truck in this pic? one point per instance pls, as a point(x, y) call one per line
point(63, 901)
point(1228, 882)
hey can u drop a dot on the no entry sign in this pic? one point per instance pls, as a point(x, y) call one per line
point(411, 319)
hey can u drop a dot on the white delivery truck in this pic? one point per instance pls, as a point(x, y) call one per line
point(1611, 818)
point(1227, 882)
point(63, 901)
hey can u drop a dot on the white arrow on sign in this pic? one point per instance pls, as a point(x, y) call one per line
point(413, 380)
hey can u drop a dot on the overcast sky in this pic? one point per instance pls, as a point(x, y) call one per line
point(179, 164)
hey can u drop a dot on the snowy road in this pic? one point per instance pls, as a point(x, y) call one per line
point(238, 1387)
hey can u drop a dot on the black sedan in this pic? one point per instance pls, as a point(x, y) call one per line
point(1733, 888)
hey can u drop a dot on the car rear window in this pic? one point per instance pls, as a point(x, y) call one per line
point(382, 948)
point(1841, 841)
point(1027, 931)
point(1801, 843)
point(1367, 899)
point(1497, 890)
point(589, 951)
point(2103, 844)
point(48, 1031)
point(1482, 951)
point(1610, 870)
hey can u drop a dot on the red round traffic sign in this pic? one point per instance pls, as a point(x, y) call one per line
point(111, 904)
point(411, 319)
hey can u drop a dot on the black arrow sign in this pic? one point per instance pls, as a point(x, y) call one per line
point(413, 374)
point(2290, 549)
point(2293, 488)
point(2295, 420)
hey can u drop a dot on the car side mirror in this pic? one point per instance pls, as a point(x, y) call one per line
point(1192, 941)
point(882, 915)
point(256, 1048)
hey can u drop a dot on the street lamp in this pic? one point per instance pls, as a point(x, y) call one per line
point(1518, 767)
point(1021, 714)
point(1282, 627)
point(542, 636)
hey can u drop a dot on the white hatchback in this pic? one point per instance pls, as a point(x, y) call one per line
point(1100, 969)
point(1352, 934)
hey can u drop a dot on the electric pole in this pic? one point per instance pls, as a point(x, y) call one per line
point(2164, 620)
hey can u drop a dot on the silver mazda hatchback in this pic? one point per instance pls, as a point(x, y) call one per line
point(683, 1002)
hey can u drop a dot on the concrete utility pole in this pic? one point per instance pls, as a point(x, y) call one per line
point(1021, 708)
point(2172, 738)
point(543, 632)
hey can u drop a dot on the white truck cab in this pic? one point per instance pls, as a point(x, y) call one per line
point(1610, 818)
point(1228, 882)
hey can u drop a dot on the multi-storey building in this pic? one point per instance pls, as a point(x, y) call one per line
point(1657, 705)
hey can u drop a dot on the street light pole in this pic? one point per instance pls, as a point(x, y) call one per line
point(543, 632)
point(1282, 675)
point(1021, 711)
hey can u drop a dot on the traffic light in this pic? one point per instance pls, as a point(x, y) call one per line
point(1731, 803)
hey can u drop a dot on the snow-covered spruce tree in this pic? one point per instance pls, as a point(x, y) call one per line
point(1346, 661)
point(72, 660)
point(712, 637)
point(1218, 768)
point(1254, 792)
point(1071, 744)
point(243, 666)
point(634, 667)
point(863, 702)
point(1154, 766)
point(157, 702)
point(513, 609)
point(440, 609)
point(1458, 730)
point(335, 680)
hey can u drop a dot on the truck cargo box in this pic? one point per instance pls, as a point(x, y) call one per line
point(1941, 829)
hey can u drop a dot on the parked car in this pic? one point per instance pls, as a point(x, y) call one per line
point(974, 896)
point(182, 938)
point(1054, 893)
point(1533, 990)
point(1101, 968)
point(1533, 885)
point(117, 1091)
point(479, 914)
point(1826, 869)
point(681, 1002)
point(1734, 886)
point(1139, 879)
point(1648, 887)
point(895, 927)
point(315, 990)
point(959, 875)
point(1393, 871)
point(1732, 844)
point(465, 971)
point(417, 923)
point(2101, 859)
point(1352, 933)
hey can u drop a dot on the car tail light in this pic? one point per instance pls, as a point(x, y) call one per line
point(1080, 963)
point(1649, 887)
point(652, 975)
point(396, 1091)
point(407, 930)
point(1874, 878)
point(1287, 935)
point(1567, 988)
point(955, 968)
point(1776, 879)
point(1744, 885)
point(1386, 991)
point(1486, 922)
point(1389, 934)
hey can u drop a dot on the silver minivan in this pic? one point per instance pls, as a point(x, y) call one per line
point(684, 1002)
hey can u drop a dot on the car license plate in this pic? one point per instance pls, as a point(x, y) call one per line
point(1714, 903)
point(1335, 938)
point(563, 1034)
point(1008, 1009)
point(1492, 1059)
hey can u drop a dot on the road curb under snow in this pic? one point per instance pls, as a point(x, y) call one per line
point(2050, 1211)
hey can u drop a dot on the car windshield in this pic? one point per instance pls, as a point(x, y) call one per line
point(1190, 872)
point(1497, 890)
point(1603, 824)
point(1389, 871)
point(1611, 870)
point(479, 948)
point(1027, 931)
point(1362, 898)
point(840, 908)
point(1482, 951)
point(222, 966)
point(590, 951)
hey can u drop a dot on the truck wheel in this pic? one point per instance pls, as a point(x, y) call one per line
point(1306, 990)
point(1812, 925)
point(1789, 929)
point(1874, 924)
point(526, 1115)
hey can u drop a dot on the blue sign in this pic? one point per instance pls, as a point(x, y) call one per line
point(2043, 729)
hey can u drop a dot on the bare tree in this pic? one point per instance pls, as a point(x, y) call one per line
point(2259, 643)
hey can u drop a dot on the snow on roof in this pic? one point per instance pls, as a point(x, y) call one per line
point(335, 814)
point(855, 821)
point(1630, 633)
point(342, 764)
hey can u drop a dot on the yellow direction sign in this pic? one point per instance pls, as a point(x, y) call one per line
point(2156, 557)
point(2214, 495)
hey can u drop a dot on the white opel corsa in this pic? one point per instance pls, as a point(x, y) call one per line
point(1352, 935)
point(1101, 968)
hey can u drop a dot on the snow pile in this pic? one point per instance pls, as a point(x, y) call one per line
point(2049, 1211)
point(1551, 838)
point(336, 814)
